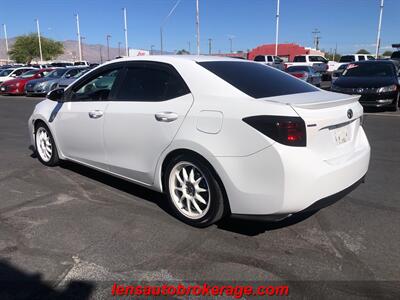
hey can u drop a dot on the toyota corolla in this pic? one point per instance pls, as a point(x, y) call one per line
point(218, 136)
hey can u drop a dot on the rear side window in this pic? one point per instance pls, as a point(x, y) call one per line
point(299, 59)
point(257, 80)
point(259, 58)
point(150, 84)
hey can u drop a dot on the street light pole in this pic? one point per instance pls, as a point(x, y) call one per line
point(108, 46)
point(6, 39)
point(378, 39)
point(277, 27)
point(40, 42)
point(78, 32)
point(198, 27)
point(82, 38)
point(119, 48)
point(126, 33)
point(230, 43)
point(209, 46)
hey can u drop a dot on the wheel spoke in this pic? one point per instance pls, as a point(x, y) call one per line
point(199, 189)
point(191, 176)
point(196, 206)
point(185, 174)
point(200, 199)
point(177, 176)
point(188, 205)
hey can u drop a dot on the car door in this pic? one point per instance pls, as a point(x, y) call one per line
point(143, 118)
point(80, 120)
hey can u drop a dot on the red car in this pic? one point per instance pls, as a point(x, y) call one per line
point(17, 86)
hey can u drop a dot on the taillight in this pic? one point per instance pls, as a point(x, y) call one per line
point(289, 131)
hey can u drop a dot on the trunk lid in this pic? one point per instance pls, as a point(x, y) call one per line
point(332, 121)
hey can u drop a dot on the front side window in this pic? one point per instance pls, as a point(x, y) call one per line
point(98, 88)
point(299, 59)
point(150, 84)
point(257, 80)
point(29, 74)
point(361, 57)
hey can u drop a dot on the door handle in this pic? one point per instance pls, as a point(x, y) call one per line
point(166, 116)
point(95, 114)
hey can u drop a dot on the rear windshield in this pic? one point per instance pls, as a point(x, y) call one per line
point(297, 69)
point(257, 80)
point(370, 70)
point(347, 58)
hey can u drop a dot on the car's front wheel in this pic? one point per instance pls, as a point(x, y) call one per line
point(194, 193)
point(45, 146)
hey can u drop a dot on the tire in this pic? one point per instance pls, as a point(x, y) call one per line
point(46, 149)
point(196, 197)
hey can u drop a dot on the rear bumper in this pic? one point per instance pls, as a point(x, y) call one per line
point(282, 180)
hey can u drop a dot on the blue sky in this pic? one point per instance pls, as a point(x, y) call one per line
point(352, 24)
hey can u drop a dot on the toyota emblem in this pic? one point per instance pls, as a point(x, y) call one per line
point(349, 113)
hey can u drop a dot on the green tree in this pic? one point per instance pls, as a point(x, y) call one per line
point(387, 53)
point(182, 52)
point(26, 48)
point(363, 51)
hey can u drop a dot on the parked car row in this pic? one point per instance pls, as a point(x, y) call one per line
point(376, 81)
point(32, 81)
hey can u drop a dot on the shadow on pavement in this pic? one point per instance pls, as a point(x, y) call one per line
point(16, 284)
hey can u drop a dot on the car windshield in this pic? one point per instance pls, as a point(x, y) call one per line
point(56, 73)
point(6, 72)
point(29, 74)
point(396, 54)
point(369, 70)
point(297, 69)
point(80, 73)
point(257, 80)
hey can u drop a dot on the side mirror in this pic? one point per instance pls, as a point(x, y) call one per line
point(56, 95)
point(14, 75)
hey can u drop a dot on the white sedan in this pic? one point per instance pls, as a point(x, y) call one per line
point(218, 136)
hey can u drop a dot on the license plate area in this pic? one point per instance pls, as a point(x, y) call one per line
point(341, 134)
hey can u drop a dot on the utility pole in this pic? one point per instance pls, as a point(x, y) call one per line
point(334, 55)
point(316, 38)
point(209, 46)
point(119, 48)
point(190, 50)
point(231, 44)
point(6, 39)
point(78, 32)
point(82, 38)
point(277, 27)
point(198, 27)
point(151, 49)
point(101, 54)
point(40, 42)
point(378, 39)
point(126, 33)
point(108, 46)
point(161, 41)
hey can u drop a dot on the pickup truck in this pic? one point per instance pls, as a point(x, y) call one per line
point(319, 63)
point(349, 58)
point(271, 60)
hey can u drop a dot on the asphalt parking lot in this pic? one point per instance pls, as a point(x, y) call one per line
point(72, 228)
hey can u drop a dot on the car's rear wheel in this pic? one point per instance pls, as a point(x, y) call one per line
point(45, 146)
point(193, 191)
